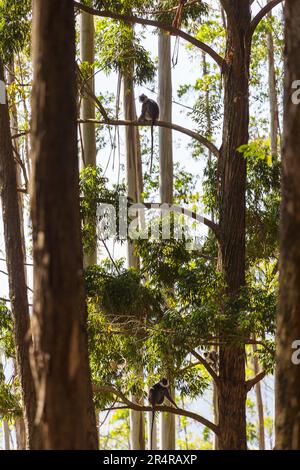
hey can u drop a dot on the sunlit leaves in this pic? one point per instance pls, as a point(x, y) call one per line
point(14, 26)
point(120, 50)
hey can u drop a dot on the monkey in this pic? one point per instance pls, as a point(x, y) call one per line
point(178, 17)
point(157, 394)
point(150, 112)
point(212, 358)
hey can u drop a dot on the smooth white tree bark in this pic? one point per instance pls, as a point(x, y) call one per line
point(133, 175)
point(88, 130)
point(273, 99)
point(167, 420)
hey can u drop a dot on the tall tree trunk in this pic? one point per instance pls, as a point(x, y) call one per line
point(137, 419)
point(14, 130)
point(165, 106)
point(274, 113)
point(65, 414)
point(287, 390)
point(232, 166)
point(259, 403)
point(87, 53)
point(19, 424)
point(209, 162)
point(167, 421)
point(20, 434)
point(6, 433)
point(16, 270)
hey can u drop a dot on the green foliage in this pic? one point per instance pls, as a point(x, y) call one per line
point(122, 297)
point(263, 199)
point(117, 434)
point(122, 6)
point(94, 194)
point(120, 50)
point(9, 400)
point(185, 191)
point(6, 331)
point(14, 26)
point(193, 12)
point(206, 111)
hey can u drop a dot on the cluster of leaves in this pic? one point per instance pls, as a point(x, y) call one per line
point(9, 400)
point(14, 26)
point(185, 191)
point(120, 49)
point(121, 343)
point(193, 12)
point(122, 6)
point(122, 297)
point(262, 199)
point(117, 436)
point(96, 204)
point(6, 331)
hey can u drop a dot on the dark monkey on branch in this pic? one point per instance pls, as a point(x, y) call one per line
point(157, 394)
point(150, 112)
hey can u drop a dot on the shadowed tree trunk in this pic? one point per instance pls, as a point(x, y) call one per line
point(287, 390)
point(232, 166)
point(65, 413)
point(19, 423)
point(16, 271)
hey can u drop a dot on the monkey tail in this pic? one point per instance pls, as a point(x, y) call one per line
point(152, 428)
point(152, 147)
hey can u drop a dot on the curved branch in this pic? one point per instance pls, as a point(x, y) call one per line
point(256, 20)
point(181, 210)
point(207, 366)
point(168, 125)
point(250, 383)
point(168, 409)
point(156, 24)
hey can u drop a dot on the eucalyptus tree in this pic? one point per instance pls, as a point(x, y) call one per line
point(89, 148)
point(287, 396)
point(65, 414)
point(230, 323)
point(13, 36)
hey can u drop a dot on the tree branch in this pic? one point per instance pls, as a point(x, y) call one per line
point(181, 210)
point(209, 369)
point(168, 409)
point(250, 383)
point(21, 134)
point(156, 24)
point(230, 15)
point(256, 20)
point(168, 125)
